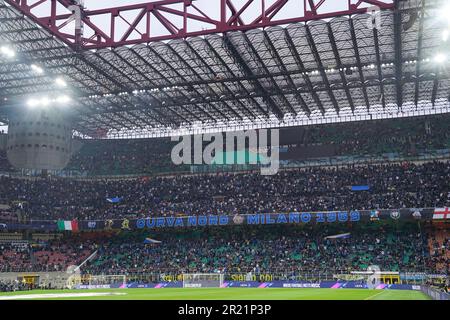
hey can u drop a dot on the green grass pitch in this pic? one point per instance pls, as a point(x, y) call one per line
point(217, 294)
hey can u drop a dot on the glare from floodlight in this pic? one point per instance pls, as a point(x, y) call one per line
point(37, 69)
point(445, 14)
point(44, 101)
point(32, 103)
point(7, 51)
point(63, 99)
point(61, 82)
point(445, 35)
point(440, 58)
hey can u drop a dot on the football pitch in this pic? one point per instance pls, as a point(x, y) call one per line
point(217, 294)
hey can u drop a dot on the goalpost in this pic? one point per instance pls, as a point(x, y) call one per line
point(202, 280)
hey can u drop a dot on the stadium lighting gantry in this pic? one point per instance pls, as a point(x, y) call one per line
point(45, 101)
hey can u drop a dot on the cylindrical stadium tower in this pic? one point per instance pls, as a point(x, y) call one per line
point(39, 139)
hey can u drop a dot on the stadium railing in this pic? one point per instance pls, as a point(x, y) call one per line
point(434, 293)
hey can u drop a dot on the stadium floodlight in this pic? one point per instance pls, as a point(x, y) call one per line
point(63, 99)
point(440, 58)
point(445, 14)
point(445, 35)
point(7, 51)
point(60, 82)
point(32, 103)
point(44, 101)
point(37, 69)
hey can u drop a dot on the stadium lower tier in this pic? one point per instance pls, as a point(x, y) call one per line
point(391, 186)
point(283, 252)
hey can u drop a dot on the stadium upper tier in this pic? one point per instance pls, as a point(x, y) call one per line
point(404, 138)
point(346, 67)
point(392, 186)
point(284, 252)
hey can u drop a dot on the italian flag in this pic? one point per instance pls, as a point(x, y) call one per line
point(67, 225)
point(441, 213)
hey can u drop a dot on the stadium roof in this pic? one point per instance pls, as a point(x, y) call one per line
point(330, 67)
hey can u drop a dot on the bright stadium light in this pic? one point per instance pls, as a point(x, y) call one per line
point(44, 101)
point(445, 35)
point(7, 51)
point(445, 14)
point(63, 99)
point(37, 69)
point(60, 82)
point(440, 58)
point(32, 103)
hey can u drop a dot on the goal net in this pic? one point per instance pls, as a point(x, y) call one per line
point(202, 280)
point(371, 278)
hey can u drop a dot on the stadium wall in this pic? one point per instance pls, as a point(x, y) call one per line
point(57, 280)
point(434, 293)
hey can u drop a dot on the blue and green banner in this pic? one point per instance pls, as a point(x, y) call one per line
point(153, 221)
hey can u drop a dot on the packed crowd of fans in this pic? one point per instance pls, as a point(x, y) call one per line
point(4, 164)
point(150, 156)
point(392, 186)
point(50, 257)
point(119, 157)
point(282, 250)
point(13, 285)
point(439, 243)
point(286, 250)
point(405, 136)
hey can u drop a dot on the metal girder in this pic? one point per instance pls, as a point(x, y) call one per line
point(203, 80)
point(398, 53)
point(110, 65)
point(155, 70)
point(358, 63)
point(291, 83)
point(339, 66)
point(276, 56)
point(225, 65)
point(301, 67)
point(208, 115)
point(313, 47)
point(248, 72)
point(419, 51)
point(225, 103)
point(379, 71)
point(177, 18)
point(151, 95)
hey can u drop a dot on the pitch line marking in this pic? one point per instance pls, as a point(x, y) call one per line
point(374, 295)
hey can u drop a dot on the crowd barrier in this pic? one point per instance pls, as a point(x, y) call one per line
point(435, 294)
